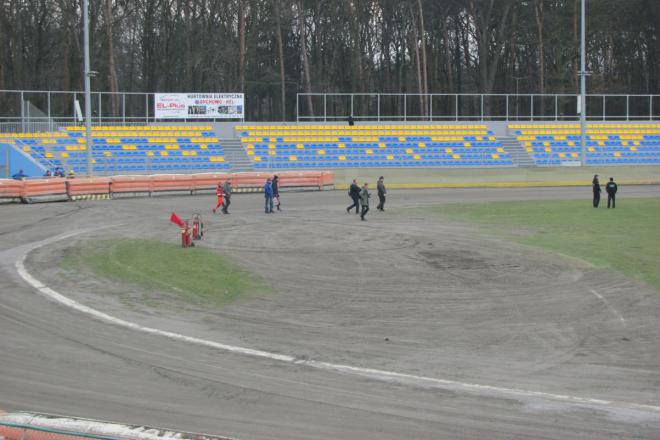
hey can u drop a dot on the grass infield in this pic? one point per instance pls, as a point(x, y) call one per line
point(626, 239)
point(194, 274)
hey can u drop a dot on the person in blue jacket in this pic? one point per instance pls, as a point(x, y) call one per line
point(19, 176)
point(268, 194)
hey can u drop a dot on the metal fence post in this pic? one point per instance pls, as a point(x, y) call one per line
point(482, 108)
point(22, 113)
point(325, 107)
point(50, 120)
point(405, 107)
point(297, 107)
point(650, 107)
point(352, 110)
point(456, 107)
point(378, 105)
point(531, 106)
point(556, 109)
point(146, 107)
point(507, 108)
point(123, 108)
point(627, 107)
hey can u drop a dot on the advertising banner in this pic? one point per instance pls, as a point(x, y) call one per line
point(198, 106)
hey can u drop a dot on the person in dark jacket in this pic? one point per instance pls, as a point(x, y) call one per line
point(354, 194)
point(227, 188)
point(595, 184)
point(19, 176)
point(364, 200)
point(380, 186)
point(276, 192)
point(268, 195)
point(611, 189)
point(351, 121)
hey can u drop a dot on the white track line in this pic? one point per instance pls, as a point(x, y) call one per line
point(383, 375)
point(609, 306)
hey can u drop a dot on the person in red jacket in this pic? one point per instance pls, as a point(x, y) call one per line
point(220, 192)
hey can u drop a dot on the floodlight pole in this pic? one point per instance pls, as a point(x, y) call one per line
point(583, 85)
point(88, 94)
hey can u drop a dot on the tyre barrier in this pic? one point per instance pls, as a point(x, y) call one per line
point(30, 426)
point(100, 188)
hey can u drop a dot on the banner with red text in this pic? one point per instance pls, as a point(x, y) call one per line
point(199, 106)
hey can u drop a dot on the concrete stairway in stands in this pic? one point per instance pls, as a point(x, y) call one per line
point(521, 158)
point(235, 155)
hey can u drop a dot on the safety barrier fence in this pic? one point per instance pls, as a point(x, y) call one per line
point(61, 188)
point(27, 426)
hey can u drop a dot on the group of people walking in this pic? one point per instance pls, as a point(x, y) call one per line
point(611, 189)
point(271, 193)
point(360, 197)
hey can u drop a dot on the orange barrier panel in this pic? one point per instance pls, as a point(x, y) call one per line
point(130, 184)
point(10, 188)
point(210, 180)
point(171, 182)
point(43, 187)
point(86, 186)
point(162, 182)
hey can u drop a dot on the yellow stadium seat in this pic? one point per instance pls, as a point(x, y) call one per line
point(293, 158)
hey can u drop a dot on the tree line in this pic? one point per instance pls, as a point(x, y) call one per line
point(273, 49)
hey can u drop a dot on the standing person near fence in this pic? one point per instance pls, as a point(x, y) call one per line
point(220, 193)
point(276, 192)
point(595, 184)
point(611, 189)
point(364, 200)
point(227, 188)
point(268, 196)
point(354, 194)
point(380, 186)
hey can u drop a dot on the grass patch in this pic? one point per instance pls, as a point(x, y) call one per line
point(194, 274)
point(626, 239)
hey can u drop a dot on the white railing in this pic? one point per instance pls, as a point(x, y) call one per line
point(473, 107)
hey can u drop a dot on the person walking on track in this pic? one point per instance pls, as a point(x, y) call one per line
point(220, 193)
point(596, 189)
point(380, 186)
point(611, 189)
point(364, 200)
point(354, 194)
point(227, 188)
point(268, 195)
point(276, 192)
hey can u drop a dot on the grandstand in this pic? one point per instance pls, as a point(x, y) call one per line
point(371, 146)
point(607, 144)
point(126, 149)
point(147, 149)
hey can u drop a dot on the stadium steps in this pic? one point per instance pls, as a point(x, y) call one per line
point(520, 157)
point(235, 154)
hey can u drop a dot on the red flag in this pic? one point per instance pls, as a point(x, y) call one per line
point(177, 220)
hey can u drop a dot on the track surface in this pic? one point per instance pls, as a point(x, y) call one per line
point(402, 292)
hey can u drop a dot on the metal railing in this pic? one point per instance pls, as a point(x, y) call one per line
point(473, 107)
point(47, 110)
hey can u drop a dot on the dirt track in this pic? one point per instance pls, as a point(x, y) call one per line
point(402, 292)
